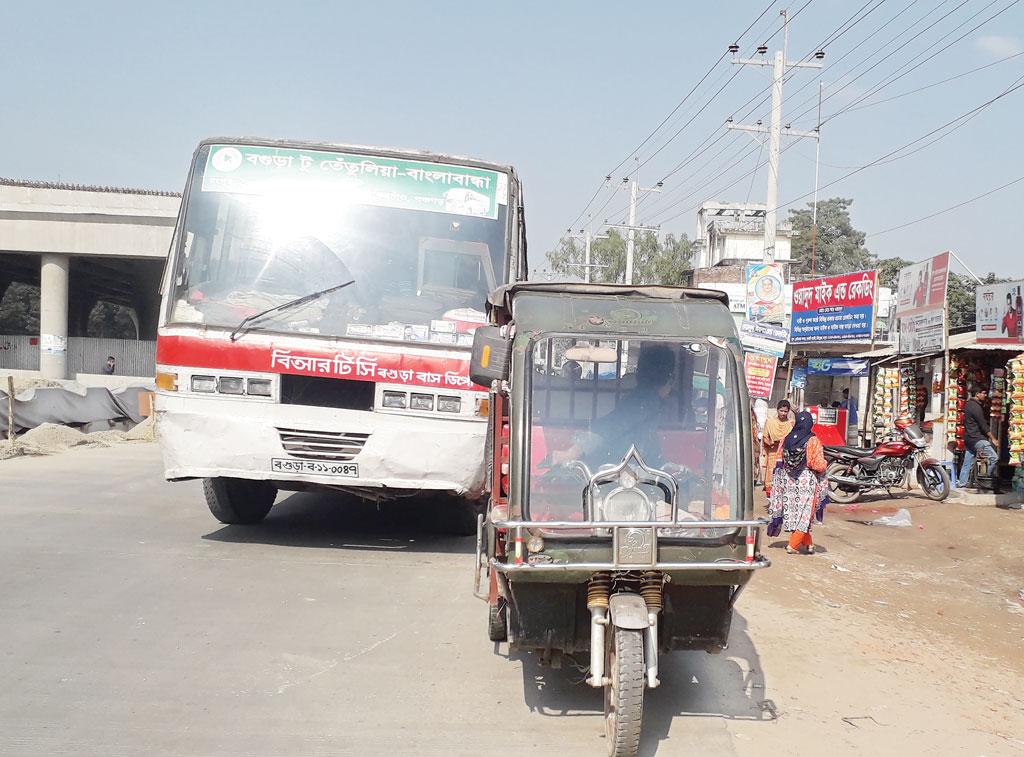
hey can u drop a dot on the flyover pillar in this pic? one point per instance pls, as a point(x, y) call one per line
point(53, 316)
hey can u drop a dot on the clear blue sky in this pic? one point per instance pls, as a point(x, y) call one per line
point(119, 93)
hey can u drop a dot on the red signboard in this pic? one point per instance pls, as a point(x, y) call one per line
point(760, 372)
point(355, 362)
point(834, 309)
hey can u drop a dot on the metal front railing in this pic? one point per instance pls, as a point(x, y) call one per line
point(635, 545)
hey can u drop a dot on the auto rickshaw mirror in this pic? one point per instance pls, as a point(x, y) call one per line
point(491, 352)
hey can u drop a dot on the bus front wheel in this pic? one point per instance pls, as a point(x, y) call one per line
point(238, 501)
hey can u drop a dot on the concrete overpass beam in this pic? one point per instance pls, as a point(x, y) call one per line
point(53, 316)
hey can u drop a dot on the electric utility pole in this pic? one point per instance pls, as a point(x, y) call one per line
point(780, 67)
point(632, 227)
point(586, 265)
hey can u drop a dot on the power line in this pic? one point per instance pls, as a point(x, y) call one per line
point(947, 210)
point(671, 113)
point(1018, 84)
point(936, 84)
point(857, 17)
point(886, 83)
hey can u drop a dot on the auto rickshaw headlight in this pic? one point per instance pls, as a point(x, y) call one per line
point(626, 505)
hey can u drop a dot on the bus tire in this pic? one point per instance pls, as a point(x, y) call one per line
point(238, 501)
point(462, 516)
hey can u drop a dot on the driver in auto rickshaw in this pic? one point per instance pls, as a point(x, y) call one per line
point(633, 421)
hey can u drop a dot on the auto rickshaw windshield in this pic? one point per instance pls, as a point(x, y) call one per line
point(592, 401)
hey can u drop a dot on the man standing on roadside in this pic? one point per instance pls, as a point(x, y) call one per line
point(978, 438)
point(850, 405)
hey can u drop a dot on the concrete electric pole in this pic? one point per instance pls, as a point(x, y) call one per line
point(586, 265)
point(780, 67)
point(632, 227)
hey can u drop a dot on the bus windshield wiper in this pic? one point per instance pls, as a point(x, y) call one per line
point(241, 327)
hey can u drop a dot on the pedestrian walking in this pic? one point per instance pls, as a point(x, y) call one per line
point(798, 486)
point(775, 430)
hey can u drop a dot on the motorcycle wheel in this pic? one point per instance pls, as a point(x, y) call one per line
point(624, 695)
point(934, 482)
point(836, 492)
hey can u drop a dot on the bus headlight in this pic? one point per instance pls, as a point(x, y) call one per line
point(204, 384)
point(449, 404)
point(395, 400)
point(422, 402)
point(231, 385)
point(257, 387)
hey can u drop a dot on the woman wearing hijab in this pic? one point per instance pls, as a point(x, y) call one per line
point(775, 430)
point(797, 485)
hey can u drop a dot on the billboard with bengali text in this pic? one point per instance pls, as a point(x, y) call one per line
point(760, 373)
point(834, 308)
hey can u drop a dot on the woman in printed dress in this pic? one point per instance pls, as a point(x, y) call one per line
point(798, 486)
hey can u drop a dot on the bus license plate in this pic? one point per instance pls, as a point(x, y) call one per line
point(314, 467)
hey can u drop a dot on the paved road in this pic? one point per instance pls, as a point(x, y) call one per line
point(133, 623)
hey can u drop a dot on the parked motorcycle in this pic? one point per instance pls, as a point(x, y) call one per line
point(854, 470)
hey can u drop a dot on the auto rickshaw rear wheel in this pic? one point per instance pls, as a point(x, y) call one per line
point(624, 694)
point(497, 628)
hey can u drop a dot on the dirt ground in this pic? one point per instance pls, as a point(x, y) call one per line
point(906, 640)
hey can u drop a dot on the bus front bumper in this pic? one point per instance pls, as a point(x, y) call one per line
point(215, 437)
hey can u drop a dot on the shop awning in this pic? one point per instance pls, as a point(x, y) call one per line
point(966, 341)
point(969, 341)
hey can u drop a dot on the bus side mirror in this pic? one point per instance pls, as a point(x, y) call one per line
point(491, 353)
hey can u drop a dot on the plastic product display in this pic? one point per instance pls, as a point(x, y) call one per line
point(883, 402)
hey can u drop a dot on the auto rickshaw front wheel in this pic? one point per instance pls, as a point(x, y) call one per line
point(624, 693)
point(497, 627)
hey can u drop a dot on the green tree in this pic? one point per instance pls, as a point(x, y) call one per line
point(110, 321)
point(655, 261)
point(839, 247)
point(889, 271)
point(19, 310)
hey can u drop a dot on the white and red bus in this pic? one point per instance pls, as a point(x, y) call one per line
point(317, 318)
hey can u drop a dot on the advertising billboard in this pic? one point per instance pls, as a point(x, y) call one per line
point(834, 309)
point(766, 292)
point(921, 305)
point(998, 313)
point(760, 373)
point(765, 338)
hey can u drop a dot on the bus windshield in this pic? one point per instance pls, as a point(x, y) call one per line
point(421, 243)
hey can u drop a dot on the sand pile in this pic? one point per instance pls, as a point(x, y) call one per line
point(51, 438)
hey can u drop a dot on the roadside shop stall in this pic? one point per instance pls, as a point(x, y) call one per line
point(1000, 370)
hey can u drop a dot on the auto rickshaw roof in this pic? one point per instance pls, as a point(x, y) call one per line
point(501, 298)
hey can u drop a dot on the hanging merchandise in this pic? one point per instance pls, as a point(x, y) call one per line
point(909, 393)
point(1014, 409)
point(884, 401)
point(956, 396)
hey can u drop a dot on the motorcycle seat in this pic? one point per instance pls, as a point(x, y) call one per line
point(848, 451)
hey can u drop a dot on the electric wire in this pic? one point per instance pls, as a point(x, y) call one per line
point(951, 208)
point(671, 113)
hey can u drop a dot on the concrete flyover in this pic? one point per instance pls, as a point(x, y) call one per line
point(80, 245)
